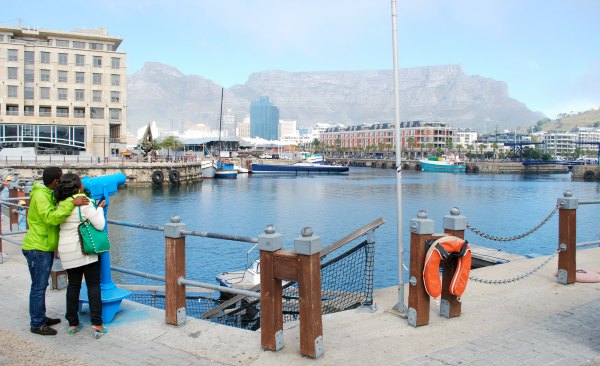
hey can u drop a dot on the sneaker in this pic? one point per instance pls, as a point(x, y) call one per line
point(52, 321)
point(44, 330)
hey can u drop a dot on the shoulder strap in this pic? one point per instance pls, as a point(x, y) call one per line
point(79, 209)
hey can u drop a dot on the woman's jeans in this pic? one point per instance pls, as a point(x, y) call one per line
point(40, 265)
point(92, 280)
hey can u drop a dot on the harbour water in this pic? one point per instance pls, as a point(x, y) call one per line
point(335, 205)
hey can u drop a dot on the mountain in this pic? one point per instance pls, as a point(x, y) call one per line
point(568, 121)
point(162, 93)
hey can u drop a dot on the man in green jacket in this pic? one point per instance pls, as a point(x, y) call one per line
point(40, 242)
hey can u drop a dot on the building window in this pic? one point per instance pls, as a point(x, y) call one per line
point(79, 112)
point(79, 94)
point(79, 77)
point(97, 95)
point(12, 91)
point(62, 94)
point(115, 114)
point(96, 46)
point(44, 93)
point(78, 44)
point(115, 97)
point(44, 57)
point(62, 43)
point(97, 113)
point(115, 62)
point(12, 73)
point(63, 58)
point(44, 75)
point(79, 60)
point(97, 61)
point(13, 55)
point(62, 76)
point(45, 111)
point(29, 57)
point(29, 78)
point(28, 110)
point(29, 92)
point(62, 112)
point(97, 79)
point(115, 80)
point(110, 47)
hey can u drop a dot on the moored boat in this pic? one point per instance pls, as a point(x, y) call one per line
point(444, 164)
point(209, 168)
point(298, 168)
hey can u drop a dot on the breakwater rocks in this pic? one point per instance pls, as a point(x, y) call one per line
point(136, 173)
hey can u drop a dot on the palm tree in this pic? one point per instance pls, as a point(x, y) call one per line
point(470, 149)
point(459, 147)
point(481, 148)
point(495, 147)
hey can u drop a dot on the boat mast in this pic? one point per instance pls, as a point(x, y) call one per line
point(220, 120)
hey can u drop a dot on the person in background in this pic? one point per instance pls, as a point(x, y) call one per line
point(74, 260)
point(41, 241)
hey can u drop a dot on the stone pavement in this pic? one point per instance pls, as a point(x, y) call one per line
point(531, 322)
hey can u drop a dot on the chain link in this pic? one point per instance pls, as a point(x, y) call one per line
point(515, 278)
point(516, 237)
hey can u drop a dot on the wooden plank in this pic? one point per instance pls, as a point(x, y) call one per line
point(567, 230)
point(271, 306)
point(309, 285)
point(174, 268)
point(448, 271)
point(286, 265)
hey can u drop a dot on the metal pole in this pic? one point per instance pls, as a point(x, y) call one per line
point(400, 305)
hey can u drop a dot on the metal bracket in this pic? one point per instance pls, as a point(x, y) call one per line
point(181, 317)
point(278, 340)
point(413, 281)
point(319, 346)
point(412, 317)
point(562, 276)
point(445, 308)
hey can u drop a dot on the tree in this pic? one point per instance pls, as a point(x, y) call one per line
point(481, 148)
point(494, 147)
point(170, 142)
point(449, 145)
point(459, 147)
point(469, 149)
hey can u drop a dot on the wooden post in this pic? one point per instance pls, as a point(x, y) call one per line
point(454, 225)
point(309, 285)
point(13, 216)
point(567, 229)
point(271, 312)
point(421, 229)
point(175, 313)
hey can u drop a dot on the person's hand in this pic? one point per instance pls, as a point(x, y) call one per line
point(102, 204)
point(80, 201)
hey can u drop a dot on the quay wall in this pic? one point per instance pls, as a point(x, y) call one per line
point(136, 173)
point(586, 172)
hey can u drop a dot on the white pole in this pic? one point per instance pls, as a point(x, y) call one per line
point(400, 305)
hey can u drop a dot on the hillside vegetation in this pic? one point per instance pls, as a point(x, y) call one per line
point(566, 121)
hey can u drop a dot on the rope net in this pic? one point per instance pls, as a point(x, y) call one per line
point(346, 283)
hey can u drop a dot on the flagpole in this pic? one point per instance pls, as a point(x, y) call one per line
point(399, 307)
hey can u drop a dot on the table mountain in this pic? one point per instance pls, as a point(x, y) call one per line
point(162, 93)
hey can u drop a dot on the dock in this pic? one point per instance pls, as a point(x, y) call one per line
point(535, 321)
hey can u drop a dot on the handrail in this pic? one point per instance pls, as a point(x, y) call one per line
point(343, 241)
point(139, 226)
point(588, 244)
point(591, 202)
point(233, 290)
point(205, 234)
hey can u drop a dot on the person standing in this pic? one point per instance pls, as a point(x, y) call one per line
point(41, 241)
point(74, 260)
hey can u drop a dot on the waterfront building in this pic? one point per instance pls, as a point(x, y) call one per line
point(264, 119)
point(418, 138)
point(62, 91)
point(466, 136)
point(560, 144)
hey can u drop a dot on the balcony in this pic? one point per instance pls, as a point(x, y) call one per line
point(62, 114)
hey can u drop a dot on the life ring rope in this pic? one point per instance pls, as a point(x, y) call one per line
point(441, 250)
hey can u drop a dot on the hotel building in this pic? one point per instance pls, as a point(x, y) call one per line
point(62, 91)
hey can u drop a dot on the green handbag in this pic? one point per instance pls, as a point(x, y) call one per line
point(93, 241)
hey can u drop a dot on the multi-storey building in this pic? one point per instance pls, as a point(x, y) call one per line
point(264, 119)
point(466, 137)
point(64, 91)
point(416, 137)
point(560, 143)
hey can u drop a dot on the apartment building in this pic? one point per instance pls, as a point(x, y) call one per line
point(62, 91)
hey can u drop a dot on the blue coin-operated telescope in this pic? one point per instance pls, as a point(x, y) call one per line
point(100, 189)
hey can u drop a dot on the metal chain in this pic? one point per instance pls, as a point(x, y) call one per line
point(516, 278)
point(516, 237)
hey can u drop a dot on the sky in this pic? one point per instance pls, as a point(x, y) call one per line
point(547, 51)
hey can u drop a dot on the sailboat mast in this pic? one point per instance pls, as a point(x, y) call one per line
point(220, 121)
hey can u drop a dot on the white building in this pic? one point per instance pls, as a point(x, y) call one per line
point(287, 129)
point(63, 91)
point(560, 144)
point(466, 137)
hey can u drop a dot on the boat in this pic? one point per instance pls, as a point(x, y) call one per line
point(243, 280)
point(225, 170)
point(241, 170)
point(209, 168)
point(444, 163)
point(298, 168)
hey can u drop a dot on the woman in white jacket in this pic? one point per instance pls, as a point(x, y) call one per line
point(72, 258)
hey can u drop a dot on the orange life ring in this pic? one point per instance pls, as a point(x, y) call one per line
point(442, 249)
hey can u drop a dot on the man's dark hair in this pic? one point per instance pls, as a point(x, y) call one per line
point(68, 185)
point(50, 174)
